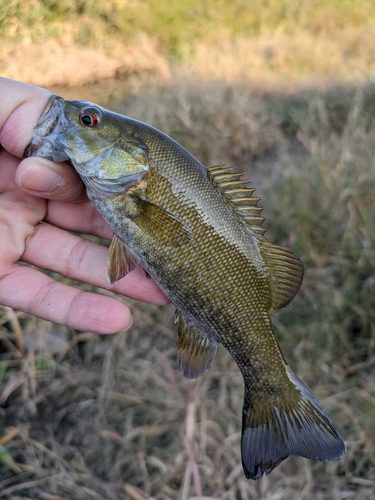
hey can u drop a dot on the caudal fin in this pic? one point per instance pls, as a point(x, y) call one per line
point(296, 426)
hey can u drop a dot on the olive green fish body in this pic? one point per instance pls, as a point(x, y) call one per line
point(198, 233)
point(202, 276)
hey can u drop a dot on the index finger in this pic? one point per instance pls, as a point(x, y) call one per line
point(21, 105)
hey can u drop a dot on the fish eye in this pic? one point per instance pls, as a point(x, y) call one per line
point(89, 118)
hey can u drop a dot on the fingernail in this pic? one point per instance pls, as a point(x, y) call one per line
point(130, 324)
point(40, 177)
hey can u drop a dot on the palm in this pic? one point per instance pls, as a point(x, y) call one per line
point(50, 246)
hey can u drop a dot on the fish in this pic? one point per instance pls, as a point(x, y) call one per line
point(198, 232)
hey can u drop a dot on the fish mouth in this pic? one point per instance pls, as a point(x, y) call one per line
point(51, 123)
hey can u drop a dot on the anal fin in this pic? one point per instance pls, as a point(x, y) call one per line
point(195, 351)
point(121, 260)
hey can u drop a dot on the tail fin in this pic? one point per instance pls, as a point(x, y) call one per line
point(296, 426)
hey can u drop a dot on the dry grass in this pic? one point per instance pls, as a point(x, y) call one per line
point(268, 44)
point(279, 59)
point(89, 417)
point(79, 65)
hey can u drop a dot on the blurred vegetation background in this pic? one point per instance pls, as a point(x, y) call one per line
point(270, 42)
point(284, 91)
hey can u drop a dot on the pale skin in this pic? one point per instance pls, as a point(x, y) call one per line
point(35, 190)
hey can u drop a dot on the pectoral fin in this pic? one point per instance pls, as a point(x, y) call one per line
point(121, 260)
point(160, 224)
point(195, 351)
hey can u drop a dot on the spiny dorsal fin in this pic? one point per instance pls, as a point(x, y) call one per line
point(195, 351)
point(121, 260)
point(239, 197)
point(285, 272)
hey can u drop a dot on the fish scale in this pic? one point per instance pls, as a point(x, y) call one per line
point(198, 232)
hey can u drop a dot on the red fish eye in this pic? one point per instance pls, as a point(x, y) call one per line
point(89, 118)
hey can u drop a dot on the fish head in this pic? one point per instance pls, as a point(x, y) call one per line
point(99, 144)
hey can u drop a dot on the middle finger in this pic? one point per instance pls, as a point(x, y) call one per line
point(83, 260)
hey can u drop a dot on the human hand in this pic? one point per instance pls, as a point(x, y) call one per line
point(35, 190)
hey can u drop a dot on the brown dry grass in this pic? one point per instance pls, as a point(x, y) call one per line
point(279, 59)
point(89, 417)
point(54, 62)
point(269, 44)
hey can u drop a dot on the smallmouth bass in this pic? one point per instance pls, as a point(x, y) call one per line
point(198, 233)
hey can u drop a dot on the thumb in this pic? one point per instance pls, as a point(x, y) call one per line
point(54, 181)
point(20, 108)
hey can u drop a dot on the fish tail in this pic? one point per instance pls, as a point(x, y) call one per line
point(295, 425)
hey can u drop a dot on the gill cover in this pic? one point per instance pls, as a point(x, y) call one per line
point(97, 149)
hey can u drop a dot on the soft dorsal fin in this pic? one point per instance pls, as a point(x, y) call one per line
point(285, 272)
point(195, 351)
point(237, 196)
point(285, 269)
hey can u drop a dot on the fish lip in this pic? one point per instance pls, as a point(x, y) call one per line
point(51, 104)
point(51, 123)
